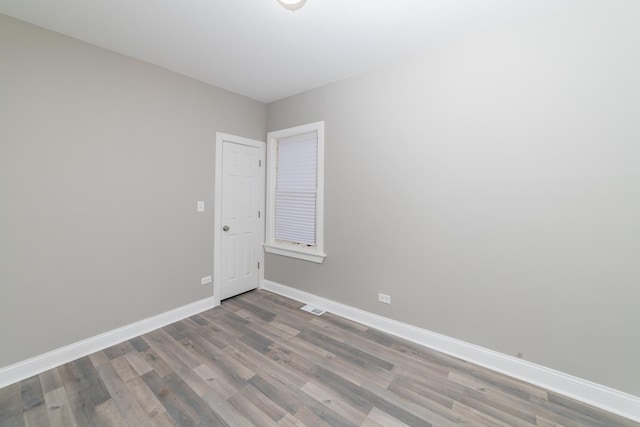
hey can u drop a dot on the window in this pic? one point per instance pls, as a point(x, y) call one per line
point(295, 196)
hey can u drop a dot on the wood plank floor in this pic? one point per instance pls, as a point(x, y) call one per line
point(259, 360)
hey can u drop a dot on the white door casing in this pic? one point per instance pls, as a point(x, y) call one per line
point(239, 215)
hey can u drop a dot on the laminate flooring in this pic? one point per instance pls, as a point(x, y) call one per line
point(259, 360)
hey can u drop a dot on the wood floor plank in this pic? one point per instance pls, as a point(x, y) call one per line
point(123, 397)
point(422, 412)
point(292, 360)
point(59, 409)
point(107, 415)
point(215, 334)
point(182, 403)
point(139, 344)
point(225, 367)
point(11, 406)
point(304, 408)
point(309, 418)
point(119, 350)
point(310, 350)
point(281, 301)
point(99, 358)
point(174, 355)
point(258, 360)
point(138, 363)
point(36, 417)
point(476, 417)
point(355, 327)
point(300, 353)
point(365, 397)
point(251, 412)
point(262, 402)
point(566, 416)
point(362, 399)
point(336, 404)
point(177, 331)
point(163, 419)
point(290, 421)
point(199, 320)
point(357, 374)
point(509, 386)
point(480, 396)
point(326, 413)
point(281, 330)
point(431, 401)
point(218, 385)
point(291, 317)
point(164, 344)
point(31, 393)
point(124, 369)
point(181, 413)
point(139, 390)
point(202, 338)
point(159, 366)
point(279, 395)
point(542, 422)
point(236, 326)
point(84, 389)
point(378, 418)
point(345, 351)
point(50, 380)
point(145, 397)
point(590, 412)
point(429, 387)
point(234, 369)
point(260, 364)
point(255, 309)
point(225, 411)
point(374, 343)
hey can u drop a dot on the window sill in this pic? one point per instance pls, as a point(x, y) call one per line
point(292, 252)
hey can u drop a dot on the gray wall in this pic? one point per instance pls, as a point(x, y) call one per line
point(102, 160)
point(492, 188)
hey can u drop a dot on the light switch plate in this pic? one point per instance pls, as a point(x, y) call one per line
point(200, 207)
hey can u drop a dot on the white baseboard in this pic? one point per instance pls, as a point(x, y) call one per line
point(43, 362)
point(600, 396)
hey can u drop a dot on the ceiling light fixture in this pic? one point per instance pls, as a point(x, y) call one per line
point(292, 5)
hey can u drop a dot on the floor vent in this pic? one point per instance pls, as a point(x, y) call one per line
point(313, 310)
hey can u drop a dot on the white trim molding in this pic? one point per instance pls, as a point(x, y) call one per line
point(27, 368)
point(591, 393)
point(295, 253)
point(291, 249)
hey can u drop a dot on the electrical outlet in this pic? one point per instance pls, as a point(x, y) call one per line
point(205, 280)
point(384, 298)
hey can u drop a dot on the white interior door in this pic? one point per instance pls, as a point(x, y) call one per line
point(242, 201)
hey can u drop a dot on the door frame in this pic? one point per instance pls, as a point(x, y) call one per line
point(217, 209)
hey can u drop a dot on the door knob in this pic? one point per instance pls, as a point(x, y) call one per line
point(225, 228)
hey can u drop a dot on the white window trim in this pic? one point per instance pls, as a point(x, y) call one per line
point(285, 248)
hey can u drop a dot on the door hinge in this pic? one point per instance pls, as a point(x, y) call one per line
point(258, 265)
point(259, 163)
point(258, 214)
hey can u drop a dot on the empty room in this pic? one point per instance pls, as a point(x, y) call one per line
point(319, 213)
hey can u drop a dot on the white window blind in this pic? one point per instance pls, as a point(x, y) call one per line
point(296, 189)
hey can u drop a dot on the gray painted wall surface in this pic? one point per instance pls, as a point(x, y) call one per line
point(492, 188)
point(102, 160)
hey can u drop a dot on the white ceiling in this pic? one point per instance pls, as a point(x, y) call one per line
point(259, 49)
